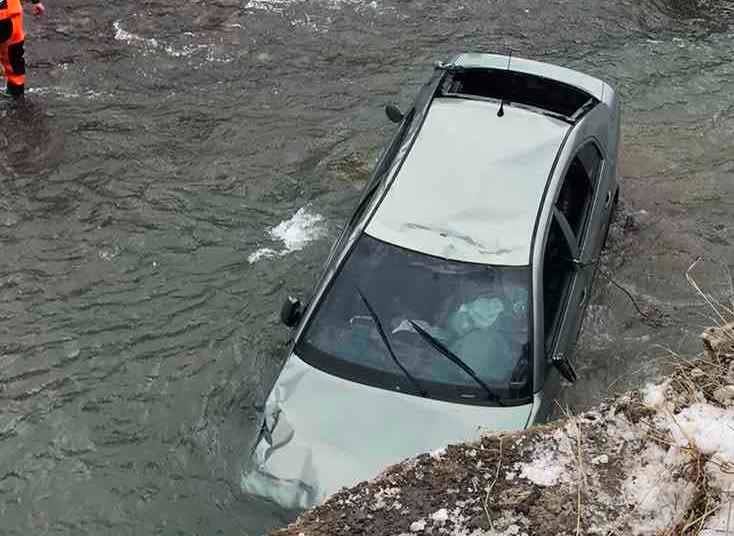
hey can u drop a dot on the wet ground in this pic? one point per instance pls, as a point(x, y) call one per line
point(178, 168)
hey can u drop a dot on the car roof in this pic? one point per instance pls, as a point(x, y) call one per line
point(589, 84)
point(471, 186)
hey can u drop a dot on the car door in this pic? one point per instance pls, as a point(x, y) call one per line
point(566, 275)
point(579, 218)
point(558, 276)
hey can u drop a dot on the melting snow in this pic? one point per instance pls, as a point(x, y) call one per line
point(438, 453)
point(418, 526)
point(660, 498)
point(653, 396)
point(546, 469)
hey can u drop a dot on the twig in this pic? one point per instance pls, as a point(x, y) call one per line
point(580, 467)
point(731, 284)
point(700, 520)
point(627, 292)
point(582, 477)
point(491, 486)
point(701, 293)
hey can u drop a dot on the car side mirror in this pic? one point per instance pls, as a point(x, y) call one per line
point(565, 367)
point(291, 312)
point(393, 113)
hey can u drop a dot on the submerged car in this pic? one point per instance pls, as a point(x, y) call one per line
point(451, 302)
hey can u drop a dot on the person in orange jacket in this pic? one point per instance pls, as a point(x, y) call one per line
point(12, 38)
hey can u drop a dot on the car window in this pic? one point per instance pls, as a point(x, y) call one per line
point(557, 275)
point(576, 196)
point(479, 313)
point(591, 159)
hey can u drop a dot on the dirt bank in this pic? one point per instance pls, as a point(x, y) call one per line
point(655, 461)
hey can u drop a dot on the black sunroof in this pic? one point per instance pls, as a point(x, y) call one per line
point(515, 87)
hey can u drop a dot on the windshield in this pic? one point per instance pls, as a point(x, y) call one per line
point(402, 320)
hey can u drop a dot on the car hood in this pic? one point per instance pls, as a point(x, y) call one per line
point(321, 433)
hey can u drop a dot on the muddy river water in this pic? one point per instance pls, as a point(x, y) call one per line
point(179, 166)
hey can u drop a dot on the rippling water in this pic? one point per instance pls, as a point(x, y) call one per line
point(180, 166)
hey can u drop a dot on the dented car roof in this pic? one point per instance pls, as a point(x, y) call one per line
point(472, 184)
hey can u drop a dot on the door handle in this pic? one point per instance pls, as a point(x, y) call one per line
point(608, 200)
point(583, 297)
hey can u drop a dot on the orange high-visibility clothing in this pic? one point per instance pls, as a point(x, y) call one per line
point(12, 38)
point(8, 8)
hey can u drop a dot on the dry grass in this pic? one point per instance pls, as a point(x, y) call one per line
point(698, 378)
point(485, 504)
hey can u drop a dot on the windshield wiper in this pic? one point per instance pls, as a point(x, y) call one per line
point(451, 356)
point(384, 338)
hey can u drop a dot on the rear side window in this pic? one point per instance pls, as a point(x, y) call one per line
point(576, 196)
point(590, 159)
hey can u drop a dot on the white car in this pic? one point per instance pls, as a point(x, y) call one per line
point(451, 303)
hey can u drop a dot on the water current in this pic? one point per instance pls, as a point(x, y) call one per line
point(178, 167)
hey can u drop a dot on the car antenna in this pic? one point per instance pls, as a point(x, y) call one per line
point(501, 111)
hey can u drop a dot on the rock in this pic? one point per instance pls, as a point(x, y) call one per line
point(697, 373)
point(718, 340)
point(725, 395)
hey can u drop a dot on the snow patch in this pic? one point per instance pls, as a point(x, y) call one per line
point(711, 430)
point(441, 516)
point(438, 453)
point(546, 469)
point(654, 396)
point(660, 497)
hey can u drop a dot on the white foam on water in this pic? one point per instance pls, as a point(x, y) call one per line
point(295, 233)
point(276, 6)
point(90, 94)
point(280, 6)
point(262, 253)
point(185, 51)
point(298, 231)
point(123, 35)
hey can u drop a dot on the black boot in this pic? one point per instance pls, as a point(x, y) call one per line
point(15, 90)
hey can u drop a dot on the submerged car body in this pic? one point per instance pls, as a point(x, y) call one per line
point(452, 301)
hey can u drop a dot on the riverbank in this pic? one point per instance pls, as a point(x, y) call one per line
point(655, 461)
